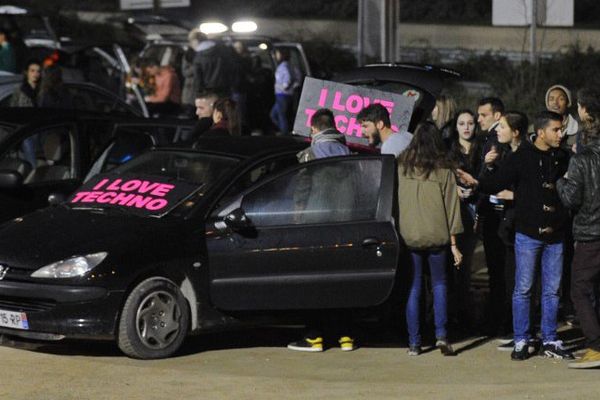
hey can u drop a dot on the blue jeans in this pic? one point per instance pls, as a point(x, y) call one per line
point(280, 111)
point(437, 267)
point(527, 254)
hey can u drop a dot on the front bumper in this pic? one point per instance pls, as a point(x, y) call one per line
point(58, 311)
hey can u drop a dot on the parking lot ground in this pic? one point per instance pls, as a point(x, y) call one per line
point(255, 364)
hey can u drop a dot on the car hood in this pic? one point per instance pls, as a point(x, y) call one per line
point(56, 233)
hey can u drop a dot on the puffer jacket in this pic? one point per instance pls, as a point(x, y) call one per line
point(580, 191)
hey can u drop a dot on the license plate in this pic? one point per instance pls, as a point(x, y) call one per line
point(15, 320)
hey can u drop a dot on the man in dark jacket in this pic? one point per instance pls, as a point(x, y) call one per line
point(213, 67)
point(489, 215)
point(326, 142)
point(540, 227)
point(579, 190)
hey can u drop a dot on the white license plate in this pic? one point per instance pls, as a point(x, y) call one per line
point(15, 320)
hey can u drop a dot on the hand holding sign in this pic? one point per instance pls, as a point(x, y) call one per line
point(346, 101)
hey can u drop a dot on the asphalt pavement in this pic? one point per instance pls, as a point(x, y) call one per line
point(254, 364)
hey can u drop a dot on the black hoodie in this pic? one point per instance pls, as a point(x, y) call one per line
point(533, 173)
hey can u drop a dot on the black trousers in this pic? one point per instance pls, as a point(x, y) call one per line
point(495, 258)
point(584, 280)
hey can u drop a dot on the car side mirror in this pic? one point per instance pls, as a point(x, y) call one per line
point(237, 220)
point(10, 179)
point(55, 199)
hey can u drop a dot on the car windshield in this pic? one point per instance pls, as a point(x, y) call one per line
point(192, 167)
point(153, 184)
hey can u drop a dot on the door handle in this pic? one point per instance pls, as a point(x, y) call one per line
point(370, 242)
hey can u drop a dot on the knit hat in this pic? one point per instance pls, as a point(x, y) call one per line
point(564, 89)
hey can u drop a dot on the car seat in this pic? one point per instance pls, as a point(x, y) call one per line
point(54, 150)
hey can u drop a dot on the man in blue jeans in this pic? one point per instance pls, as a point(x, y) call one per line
point(540, 223)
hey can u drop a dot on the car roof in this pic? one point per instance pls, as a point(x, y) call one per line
point(246, 146)
point(29, 115)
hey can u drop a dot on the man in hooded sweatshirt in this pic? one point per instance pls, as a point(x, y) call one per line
point(558, 100)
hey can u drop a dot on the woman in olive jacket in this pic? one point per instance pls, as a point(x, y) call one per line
point(429, 220)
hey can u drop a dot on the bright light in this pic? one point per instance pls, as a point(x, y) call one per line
point(12, 10)
point(263, 46)
point(244, 26)
point(213, 27)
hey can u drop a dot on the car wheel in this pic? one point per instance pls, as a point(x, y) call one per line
point(154, 321)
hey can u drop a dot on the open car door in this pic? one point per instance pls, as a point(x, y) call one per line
point(318, 235)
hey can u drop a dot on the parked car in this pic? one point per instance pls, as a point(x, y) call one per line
point(177, 242)
point(47, 153)
point(421, 81)
point(86, 97)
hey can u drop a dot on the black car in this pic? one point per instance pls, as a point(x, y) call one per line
point(421, 81)
point(48, 153)
point(85, 97)
point(181, 241)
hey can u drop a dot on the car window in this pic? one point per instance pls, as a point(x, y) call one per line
point(125, 146)
point(296, 61)
point(85, 98)
point(256, 173)
point(338, 191)
point(199, 168)
point(45, 156)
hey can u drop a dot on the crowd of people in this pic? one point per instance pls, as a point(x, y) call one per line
point(262, 98)
point(258, 98)
point(466, 176)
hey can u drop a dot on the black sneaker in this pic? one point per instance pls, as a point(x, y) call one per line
point(520, 351)
point(307, 344)
point(534, 345)
point(445, 347)
point(556, 350)
point(508, 346)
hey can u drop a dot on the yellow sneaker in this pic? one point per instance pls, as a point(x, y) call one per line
point(591, 359)
point(346, 343)
point(310, 345)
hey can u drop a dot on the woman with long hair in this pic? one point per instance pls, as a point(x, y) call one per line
point(429, 220)
point(443, 113)
point(26, 95)
point(226, 120)
point(512, 133)
point(464, 151)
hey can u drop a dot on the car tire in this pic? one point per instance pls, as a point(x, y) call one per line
point(154, 321)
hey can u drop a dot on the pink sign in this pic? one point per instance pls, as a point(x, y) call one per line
point(136, 193)
point(346, 102)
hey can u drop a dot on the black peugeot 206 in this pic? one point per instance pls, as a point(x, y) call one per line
point(180, 241)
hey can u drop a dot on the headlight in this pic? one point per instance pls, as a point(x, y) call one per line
point(70, 267)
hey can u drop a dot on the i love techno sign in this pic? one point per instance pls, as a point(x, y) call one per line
point(149, 195)
point(346, 101)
